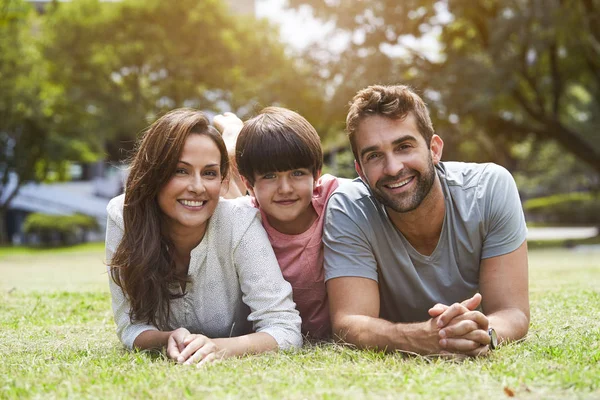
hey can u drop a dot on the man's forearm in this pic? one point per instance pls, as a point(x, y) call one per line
point(377, 333)
point(509, 324)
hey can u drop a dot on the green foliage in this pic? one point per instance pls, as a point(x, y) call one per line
point(506, 71)
point(567, 208)
point(120, 65)
point(66, 227)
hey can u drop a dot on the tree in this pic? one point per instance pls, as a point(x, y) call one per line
point(126, 63)
point(86, 77)
point(30, 140)
point(507, 70)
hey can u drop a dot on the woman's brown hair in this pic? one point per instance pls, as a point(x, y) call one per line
point(142, 265)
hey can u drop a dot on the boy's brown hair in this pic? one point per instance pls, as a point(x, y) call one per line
point(277, 139)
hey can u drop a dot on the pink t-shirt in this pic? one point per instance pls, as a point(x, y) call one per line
point(301, 261)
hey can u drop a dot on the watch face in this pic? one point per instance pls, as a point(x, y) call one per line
point(493, 338)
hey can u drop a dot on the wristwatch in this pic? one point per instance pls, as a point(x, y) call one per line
point(493, 338)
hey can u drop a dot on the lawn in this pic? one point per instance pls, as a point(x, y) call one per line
point(57, 340)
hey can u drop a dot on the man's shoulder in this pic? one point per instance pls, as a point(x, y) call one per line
point(354, 189)
point(471, 175)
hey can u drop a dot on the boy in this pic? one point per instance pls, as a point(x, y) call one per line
point(279, 157)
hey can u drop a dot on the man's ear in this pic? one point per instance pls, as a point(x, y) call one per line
point(436, 147)
point(359, 171)
point(248, 186)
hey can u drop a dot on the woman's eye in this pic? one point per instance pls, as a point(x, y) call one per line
point(180, 171)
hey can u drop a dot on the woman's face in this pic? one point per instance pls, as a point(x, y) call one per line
point(190, 197)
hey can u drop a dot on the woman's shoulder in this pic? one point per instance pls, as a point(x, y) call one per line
point(235, 213)
point(115, 207)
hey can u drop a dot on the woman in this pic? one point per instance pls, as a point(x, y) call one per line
point(189, 271)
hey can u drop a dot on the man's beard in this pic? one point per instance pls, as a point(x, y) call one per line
point(408, 201)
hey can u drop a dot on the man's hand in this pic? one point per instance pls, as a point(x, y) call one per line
point(462, 330)
point(230, 126)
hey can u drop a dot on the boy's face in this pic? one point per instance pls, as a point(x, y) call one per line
point(286, 199)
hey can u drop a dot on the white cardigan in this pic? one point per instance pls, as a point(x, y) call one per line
point(236, 285)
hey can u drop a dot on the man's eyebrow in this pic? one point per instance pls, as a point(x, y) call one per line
point(367, 150)
point(395, 142)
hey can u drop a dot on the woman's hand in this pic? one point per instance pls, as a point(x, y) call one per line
point(187, 348)
point(175, 343)
point(199, 350)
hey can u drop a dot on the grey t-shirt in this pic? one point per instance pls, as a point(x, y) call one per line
point(483, 219)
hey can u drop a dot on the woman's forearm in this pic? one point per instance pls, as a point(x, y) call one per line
point(253, 343)
point(151, 340)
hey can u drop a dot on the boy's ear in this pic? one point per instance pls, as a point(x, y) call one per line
point(248, 186)
point(317, 176)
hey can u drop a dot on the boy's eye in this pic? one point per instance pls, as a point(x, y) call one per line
point(298, 173)
point(269, 176)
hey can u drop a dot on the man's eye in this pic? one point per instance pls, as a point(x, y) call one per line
point(372, 156)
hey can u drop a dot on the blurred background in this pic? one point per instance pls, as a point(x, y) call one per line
point(515, 82)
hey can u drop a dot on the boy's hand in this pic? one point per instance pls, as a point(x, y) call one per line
point(230, 126)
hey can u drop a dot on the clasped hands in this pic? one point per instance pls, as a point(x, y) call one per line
point(462, 330)
point(187, 348)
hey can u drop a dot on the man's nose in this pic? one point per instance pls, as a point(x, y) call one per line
point(393, 166)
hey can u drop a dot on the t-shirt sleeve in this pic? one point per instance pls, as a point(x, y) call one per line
point(126, 331)
point(502, 212)
point(265, 292)
point(346, 248)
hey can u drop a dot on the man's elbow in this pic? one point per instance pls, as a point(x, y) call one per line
point(349, 329)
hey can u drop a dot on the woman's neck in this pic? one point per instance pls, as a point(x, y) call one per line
point(184, 241)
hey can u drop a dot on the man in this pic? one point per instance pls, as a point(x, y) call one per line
point(413, 237)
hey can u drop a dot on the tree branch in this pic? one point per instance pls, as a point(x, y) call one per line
point(557, 83)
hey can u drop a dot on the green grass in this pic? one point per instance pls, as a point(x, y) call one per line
point(7, 251)
point(61, 344)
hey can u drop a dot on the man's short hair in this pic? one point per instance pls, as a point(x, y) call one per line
point(394, 102)
point(277, 139)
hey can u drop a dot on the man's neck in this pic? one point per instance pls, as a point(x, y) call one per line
point(422, 226)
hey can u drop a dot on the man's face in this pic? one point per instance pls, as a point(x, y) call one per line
point(395, 161)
